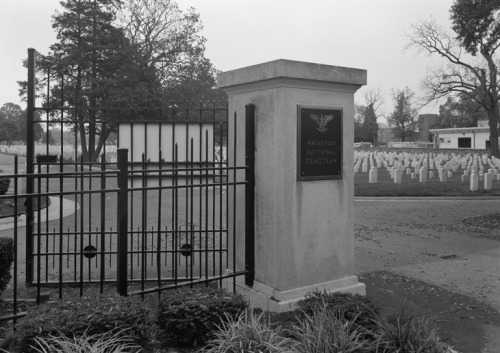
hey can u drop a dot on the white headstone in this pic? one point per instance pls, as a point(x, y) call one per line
point(397, 176)
point(488, 181)
point(372, 176)
point(474, 182)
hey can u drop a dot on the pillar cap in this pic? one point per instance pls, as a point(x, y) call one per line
point(283, 68)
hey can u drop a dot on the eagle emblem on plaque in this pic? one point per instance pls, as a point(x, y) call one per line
point(321, 120)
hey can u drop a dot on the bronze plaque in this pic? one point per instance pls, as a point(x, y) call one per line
point(319, 134)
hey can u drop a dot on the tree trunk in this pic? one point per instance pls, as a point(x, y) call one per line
point(102, 140)
point(493, 118)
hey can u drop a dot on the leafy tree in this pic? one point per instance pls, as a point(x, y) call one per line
point(460, 112)
point(13, 124)
point(102, 67)
point(404, 118)
point(150, 58)
point(9, 116)
point(171, 46)
point(477, 30)
point(102, 71)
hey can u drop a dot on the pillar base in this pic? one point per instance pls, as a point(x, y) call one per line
point(267, 298)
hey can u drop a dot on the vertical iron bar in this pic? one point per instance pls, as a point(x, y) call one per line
point(122, 234)
point(249, 194)
point(16, 192)
point(186, 165)
point(206, 205)
point(210, 180)
point(200, 197)
point(39, 240)
point(158, 239)
point(221, 183)
point(61, 188)
point(75, 211)
point(132, 156)
point(82, 218)
point(103, 223)
point(234, 198)
point(30, 154)
point(191, 225)
point(176, 220)
point(144, 205)
point(227, 189)
point(174, 211)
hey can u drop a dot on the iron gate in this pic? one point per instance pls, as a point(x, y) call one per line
point(158, 222)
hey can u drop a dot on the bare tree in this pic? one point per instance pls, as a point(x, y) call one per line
point(374, 98)
point(470, 61)
point(404, 118)
point(359, 115)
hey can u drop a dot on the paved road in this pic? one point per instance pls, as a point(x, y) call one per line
point(425, 239)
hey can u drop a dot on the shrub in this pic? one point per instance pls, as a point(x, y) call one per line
point(189, 316)
point(327, 331)
point(4, 185)
point(87, 315)
point(248, 333)
point(351, 307)
point(116, 341)
point(6, 260)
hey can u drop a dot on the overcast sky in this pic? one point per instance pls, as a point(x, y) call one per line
point(364, 34)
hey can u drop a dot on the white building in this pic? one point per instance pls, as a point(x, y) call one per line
point(463, 137)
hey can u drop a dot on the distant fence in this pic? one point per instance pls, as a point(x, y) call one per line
point(410, 144)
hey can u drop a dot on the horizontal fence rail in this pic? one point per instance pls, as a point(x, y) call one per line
point(116, 199)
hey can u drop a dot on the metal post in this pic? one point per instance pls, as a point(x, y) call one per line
point(30, 153)
point(250, 194)
point(122, 217)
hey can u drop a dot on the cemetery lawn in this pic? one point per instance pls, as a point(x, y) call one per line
point(412, 187)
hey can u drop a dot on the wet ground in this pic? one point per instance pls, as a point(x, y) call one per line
point(441, 255)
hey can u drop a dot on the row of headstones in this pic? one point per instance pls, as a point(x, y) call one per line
point(430, 161)
point(472, 165)
point(396, 174)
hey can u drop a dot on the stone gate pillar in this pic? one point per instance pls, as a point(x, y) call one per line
point(304, 134)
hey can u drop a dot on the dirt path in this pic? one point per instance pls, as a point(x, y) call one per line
point(424, 242)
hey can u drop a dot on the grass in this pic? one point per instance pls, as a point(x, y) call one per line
point(115, 341)
point(325, 331)
point(412, 187)
point(248, 333)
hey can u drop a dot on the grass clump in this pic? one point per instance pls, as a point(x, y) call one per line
point(408, 334)
point(327, 331)
point(356, 308)
point(249, 333)
point(115, 341)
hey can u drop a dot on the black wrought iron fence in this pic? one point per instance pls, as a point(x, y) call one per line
point(151, 213)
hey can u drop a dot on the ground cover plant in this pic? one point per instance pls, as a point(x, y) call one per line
point(249, 332)
point(116, 341)
point(209, 320)
point(188, 317)
point(88, 315)
point(327, 331)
